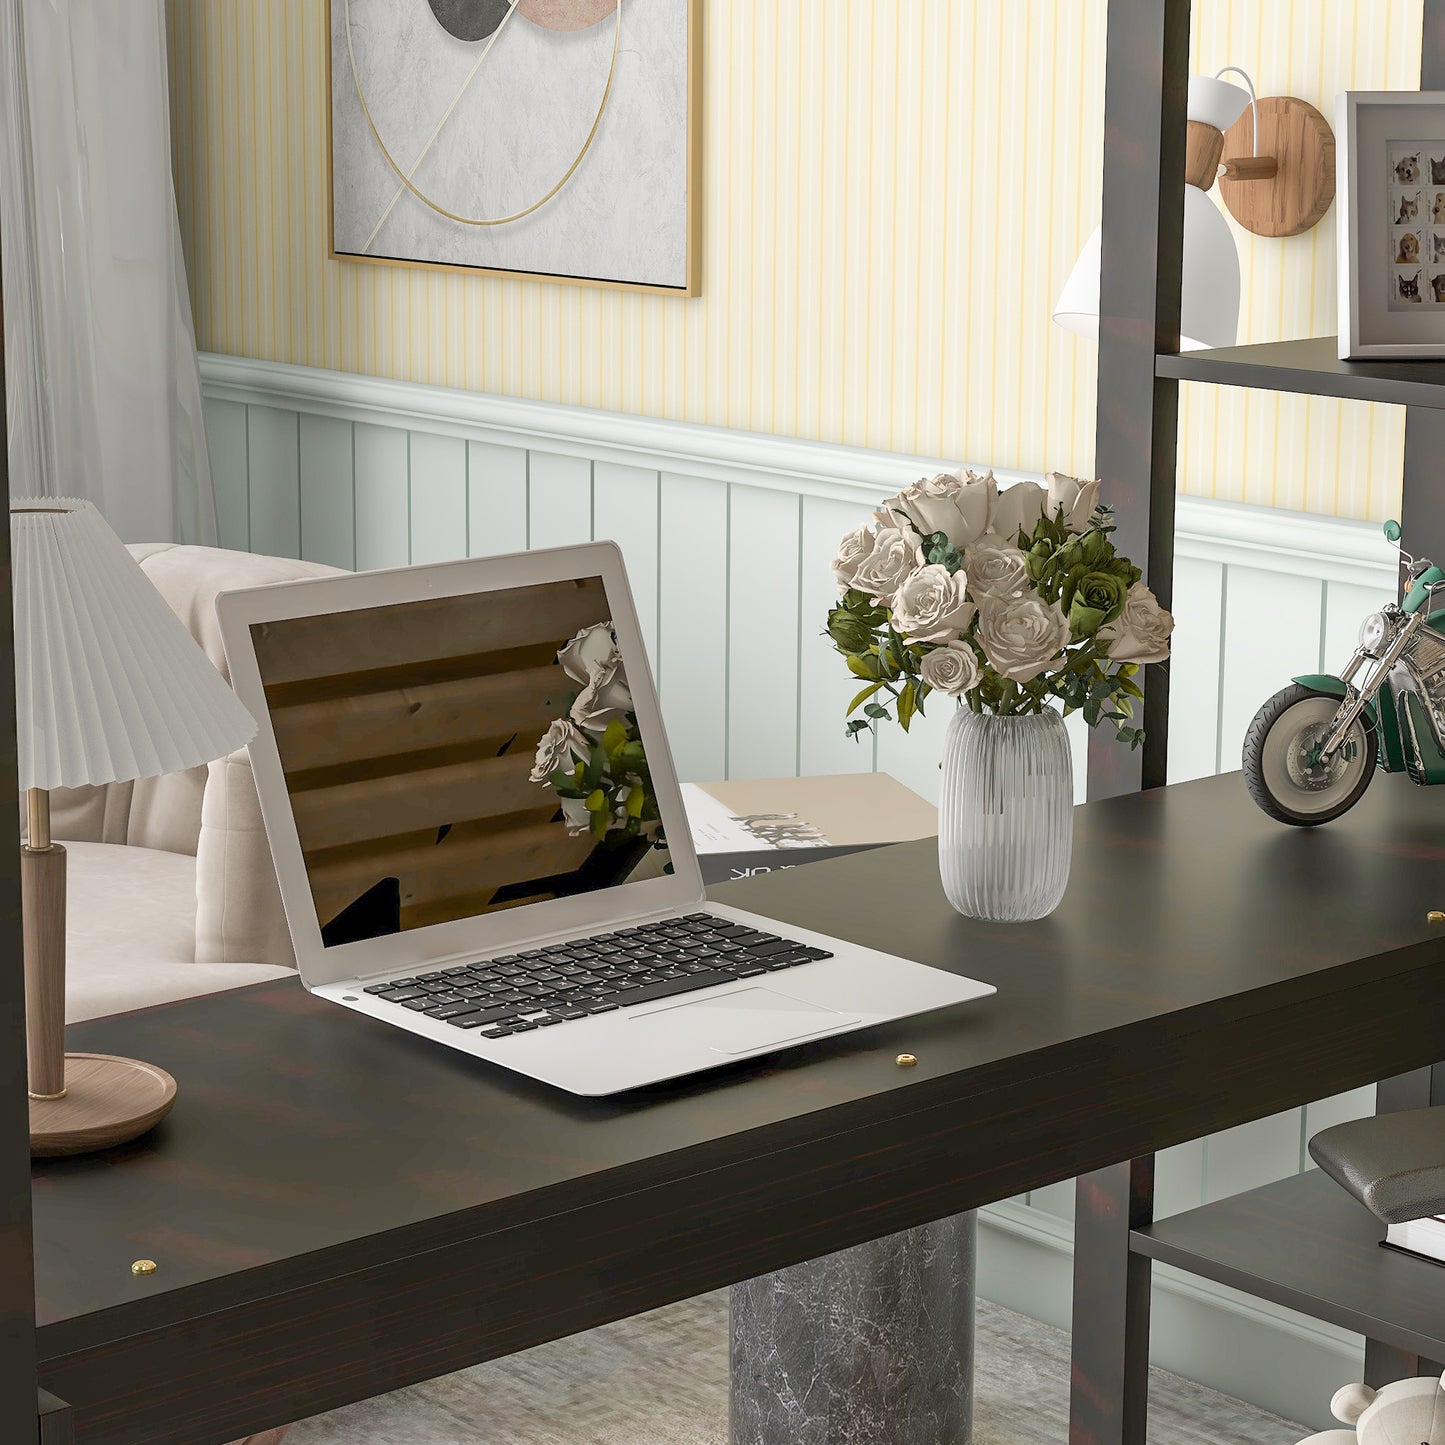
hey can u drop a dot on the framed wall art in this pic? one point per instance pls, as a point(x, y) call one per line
point(1391, 186)
point(556, 140)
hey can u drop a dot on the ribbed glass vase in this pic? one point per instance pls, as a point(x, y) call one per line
point(1006, 815)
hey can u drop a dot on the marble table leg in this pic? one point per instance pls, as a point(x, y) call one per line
point(870, 1346)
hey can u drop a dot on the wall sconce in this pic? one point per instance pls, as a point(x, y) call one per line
point(1279, 180)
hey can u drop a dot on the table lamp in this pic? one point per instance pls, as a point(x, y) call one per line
point(109, 686)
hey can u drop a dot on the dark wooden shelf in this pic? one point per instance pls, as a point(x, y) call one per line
point(1306, 1244)
point(1311, 367)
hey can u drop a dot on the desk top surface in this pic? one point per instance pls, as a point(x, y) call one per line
point(301, 1127)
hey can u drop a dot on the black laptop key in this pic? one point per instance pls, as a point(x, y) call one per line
point(402, 995)
point(498, 1014)
point(668, 987)
point(765, 950)
point(380, 988)
point(420, 1005)
point(451, 1010)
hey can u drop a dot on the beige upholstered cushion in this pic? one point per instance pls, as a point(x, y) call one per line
point(130, 933)
point(211, 813)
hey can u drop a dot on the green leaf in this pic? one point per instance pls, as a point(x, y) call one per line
point(878, 712)
point(907, 705)
point(862, 698)
point(865, 666)
point(635, 799)
point(855, 727)
point(614, 737)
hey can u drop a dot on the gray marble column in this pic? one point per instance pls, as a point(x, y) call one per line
point(871, 1346)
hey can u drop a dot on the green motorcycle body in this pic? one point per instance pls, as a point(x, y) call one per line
point(1395, 713)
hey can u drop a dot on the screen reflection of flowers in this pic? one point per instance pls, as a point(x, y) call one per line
point(593, 758)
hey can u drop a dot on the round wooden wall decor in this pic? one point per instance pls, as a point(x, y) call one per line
point(1299, 194)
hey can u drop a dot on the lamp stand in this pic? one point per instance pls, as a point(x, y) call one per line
point(78, 1102)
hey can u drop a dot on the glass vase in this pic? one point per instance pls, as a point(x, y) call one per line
point(1006, 815)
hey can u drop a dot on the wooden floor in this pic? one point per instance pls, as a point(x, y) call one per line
point(661, 1379)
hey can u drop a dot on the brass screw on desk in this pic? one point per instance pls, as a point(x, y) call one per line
point(905, 1061)
point(143, 1266)
point(1435, 916)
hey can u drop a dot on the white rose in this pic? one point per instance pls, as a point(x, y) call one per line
point(853, 551)
point(960, 505)
point(952, 668)
point(1022, 636)
point(1140, 633)
point(882, 572)
point(588, 650)
point(592, 658)
point(1018, 509)
point(560, 747)
point(575, 815)
point(932, 606)
point(605, 699)
point(995, 568)
point(1072, 499)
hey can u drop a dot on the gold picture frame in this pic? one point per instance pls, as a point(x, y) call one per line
point(692, 285)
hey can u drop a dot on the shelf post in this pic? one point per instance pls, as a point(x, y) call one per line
point(1146, 86)
point(19, 1414)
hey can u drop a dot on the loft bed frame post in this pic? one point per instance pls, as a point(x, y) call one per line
point(20, 1404)
point(1146, 86)
point(1422, 493)
point(1422, 516)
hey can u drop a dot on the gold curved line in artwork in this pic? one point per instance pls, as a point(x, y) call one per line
point(566, 14)
point(515, 215)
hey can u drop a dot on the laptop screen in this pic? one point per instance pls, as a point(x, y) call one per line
point(458, 755)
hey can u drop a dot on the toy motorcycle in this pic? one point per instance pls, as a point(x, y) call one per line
point(1313, 748)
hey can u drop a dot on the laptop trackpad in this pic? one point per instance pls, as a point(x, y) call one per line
point(750, 1019)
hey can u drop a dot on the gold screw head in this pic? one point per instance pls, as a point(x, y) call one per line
point(143, 1266)
point(905, 1061)
point(1435, 916)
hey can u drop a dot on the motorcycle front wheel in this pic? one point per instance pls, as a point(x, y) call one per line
point(1282, 769)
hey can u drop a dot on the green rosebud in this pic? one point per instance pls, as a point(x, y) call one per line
point(1096, 598)
point(849, 631)
point(1039, 559)
point(1095, 548)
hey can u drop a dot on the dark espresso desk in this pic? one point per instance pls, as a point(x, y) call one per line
point(338, 1208)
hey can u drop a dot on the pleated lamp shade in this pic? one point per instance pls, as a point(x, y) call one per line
point(109, 685)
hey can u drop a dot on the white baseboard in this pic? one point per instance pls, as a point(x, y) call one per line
point(1245, 1347)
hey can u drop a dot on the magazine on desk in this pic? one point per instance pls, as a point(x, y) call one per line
point(742, 828)
point(1422, 1237)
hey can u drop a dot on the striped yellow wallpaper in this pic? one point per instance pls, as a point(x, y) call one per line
point(894, 193)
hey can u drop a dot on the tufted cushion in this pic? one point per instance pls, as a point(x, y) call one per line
point(130, 933)
point(210, 813)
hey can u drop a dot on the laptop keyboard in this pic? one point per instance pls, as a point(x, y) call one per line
point(547, 986)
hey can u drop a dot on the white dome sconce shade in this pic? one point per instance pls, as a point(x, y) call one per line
point(1279, 181)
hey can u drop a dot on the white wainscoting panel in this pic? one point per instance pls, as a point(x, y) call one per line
point(727, 537)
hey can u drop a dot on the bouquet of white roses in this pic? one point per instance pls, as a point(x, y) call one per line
point(593, 758)
point(1006, 598)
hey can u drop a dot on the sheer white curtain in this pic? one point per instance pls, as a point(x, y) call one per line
point(102, 386)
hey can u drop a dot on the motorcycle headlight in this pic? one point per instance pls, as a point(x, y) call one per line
point(1373, 632)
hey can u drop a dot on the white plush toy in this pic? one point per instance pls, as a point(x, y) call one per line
point(1407, 1412)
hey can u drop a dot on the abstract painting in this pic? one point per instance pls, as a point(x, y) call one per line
point(553, 139)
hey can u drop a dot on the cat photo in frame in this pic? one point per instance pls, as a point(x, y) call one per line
point(1390, 160)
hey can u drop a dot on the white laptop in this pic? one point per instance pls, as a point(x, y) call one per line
point(480, 838)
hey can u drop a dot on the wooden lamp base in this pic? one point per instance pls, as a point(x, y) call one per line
point(107, 1101)
point(78, 1102)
